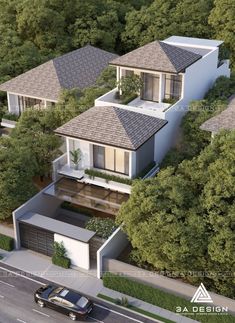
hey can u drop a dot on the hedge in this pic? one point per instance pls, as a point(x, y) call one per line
point(6, 242)
point(108, 177)
point(78, 209)
point(157, 297)
point(61, 261)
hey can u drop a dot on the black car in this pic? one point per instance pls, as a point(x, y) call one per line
point(64, 300)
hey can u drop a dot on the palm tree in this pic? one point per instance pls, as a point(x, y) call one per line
point(76, 157)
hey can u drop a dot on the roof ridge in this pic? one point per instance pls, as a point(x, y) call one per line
point(178, 49)
point(118, 112)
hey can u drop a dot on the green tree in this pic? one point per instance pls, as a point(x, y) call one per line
point(17, 168)
point(183, 220)
point(222, 20)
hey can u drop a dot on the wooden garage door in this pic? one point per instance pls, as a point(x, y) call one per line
point(36, 239)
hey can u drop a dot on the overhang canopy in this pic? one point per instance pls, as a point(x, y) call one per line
point(50, 224)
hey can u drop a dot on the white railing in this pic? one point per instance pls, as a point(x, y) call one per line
point(154, 109)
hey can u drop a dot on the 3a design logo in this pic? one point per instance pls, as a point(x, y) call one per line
point(201, 295)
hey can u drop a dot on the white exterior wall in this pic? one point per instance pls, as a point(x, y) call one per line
point(200, 76)
point(197, 80)
point(77, 251)
point(13, 104)
point(111, 248)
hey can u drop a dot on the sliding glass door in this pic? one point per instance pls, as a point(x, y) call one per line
point(115, 160)
point(150, 90)
point(173, 86)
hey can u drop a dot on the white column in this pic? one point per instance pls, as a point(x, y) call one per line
point(68, 151)
point(132, 164)
point(161, 87)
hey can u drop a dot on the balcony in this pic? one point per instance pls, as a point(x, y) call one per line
point(137, 105)
point(62, 169)
point(88, 195)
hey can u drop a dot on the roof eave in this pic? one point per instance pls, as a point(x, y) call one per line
point(107, 144)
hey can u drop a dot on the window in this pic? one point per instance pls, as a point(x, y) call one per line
point(26, 102)
point(56, 300)
point(67, 303)
point(99, 159)
point(115, 160)
point(173, 86)
point(150, 90)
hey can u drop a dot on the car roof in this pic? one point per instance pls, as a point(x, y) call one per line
point(69, 295)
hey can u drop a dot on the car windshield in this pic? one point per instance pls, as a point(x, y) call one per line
point(82, 302)
point(56, 291)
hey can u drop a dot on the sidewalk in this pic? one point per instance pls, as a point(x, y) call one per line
point(85, 282)
point(7, 230)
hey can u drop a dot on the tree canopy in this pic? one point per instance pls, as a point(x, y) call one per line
point(184, 220)
point(33, 31)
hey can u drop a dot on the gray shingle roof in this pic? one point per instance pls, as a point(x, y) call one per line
point(158, 56)
point(79, 68)
point(113, 126)
point(224, 120)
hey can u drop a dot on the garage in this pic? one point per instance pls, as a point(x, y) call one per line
point(38, 232)
point(36, 239)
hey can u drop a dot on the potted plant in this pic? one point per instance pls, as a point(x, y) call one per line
point(76, 157)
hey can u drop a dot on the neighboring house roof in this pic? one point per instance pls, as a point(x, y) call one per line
point(158, 56)
point(112, 126)
point(224, 120)
point(77, 69)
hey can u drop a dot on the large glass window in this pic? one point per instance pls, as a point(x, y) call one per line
point(150, 90)
point(115, 160)
point(173, 86)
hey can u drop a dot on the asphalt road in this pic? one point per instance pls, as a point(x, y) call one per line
point(17, 303)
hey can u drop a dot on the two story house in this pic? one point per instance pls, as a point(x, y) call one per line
point(116, 142)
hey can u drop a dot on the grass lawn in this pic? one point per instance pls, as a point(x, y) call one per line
point(136, 309)
point(159, 298)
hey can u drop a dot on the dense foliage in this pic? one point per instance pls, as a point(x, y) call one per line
point(33, 31)
point(32, 146)
point(183, 220)
point(193, 139)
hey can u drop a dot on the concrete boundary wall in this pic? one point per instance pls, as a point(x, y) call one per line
point(170, 285)
point(39, 203)
point(111, 249)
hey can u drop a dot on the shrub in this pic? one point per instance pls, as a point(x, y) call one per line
point(61, 261)
point(155, 296)
point(108, 177)
point(10, 116)
point(103, 227)
point(59, 257)
point(6, 243)
point(123, 301)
